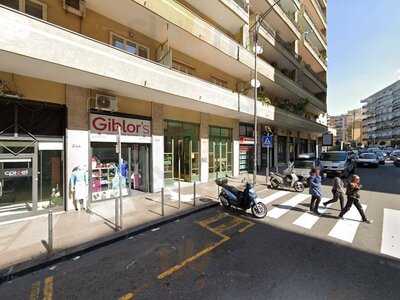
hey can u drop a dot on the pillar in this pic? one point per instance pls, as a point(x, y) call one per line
point(157, 146)
point(287, 148)
point(236, 149)
point(245, 36)
point(77, 135)
point(204, 147)
point(276, 151)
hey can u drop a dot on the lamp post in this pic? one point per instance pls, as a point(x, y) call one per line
point(254, 82)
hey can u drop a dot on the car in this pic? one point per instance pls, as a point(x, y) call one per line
point(303, 165)
point(368, 160)
point(381, 156)
point(395, 154)
point(337, 163)
point(397, 162)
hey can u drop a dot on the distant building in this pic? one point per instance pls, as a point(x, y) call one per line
point(348, 126)
point(381, 116)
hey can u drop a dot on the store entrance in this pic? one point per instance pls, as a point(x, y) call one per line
point(16, 185)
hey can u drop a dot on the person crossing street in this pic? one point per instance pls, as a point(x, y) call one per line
point(315, 190)
point(338, 192)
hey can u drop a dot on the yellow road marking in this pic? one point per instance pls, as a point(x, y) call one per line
point(48, 288)
point(250, 224)
point(217, 231)
point(35, 290)
point(128, 296)
point(229, 225)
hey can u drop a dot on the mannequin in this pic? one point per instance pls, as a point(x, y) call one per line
point(79, 186)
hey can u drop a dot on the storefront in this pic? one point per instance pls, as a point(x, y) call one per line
point(105, 167)
point(282, 141)
point(181, 151)
point(246, 154)
point(303, 146)
point(292, 148)
point(31, 157)
point(220, 152)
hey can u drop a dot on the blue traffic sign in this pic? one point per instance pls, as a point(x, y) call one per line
point(266, 141)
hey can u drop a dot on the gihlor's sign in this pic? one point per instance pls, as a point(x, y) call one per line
point(109, 125)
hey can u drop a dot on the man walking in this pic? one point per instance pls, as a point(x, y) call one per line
point(353, 197)
point(338, 192)
point(315, 190)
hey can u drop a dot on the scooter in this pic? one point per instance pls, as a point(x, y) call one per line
point(288, 179)
point(231, 196)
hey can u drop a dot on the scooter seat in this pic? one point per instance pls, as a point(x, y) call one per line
point(232, 189)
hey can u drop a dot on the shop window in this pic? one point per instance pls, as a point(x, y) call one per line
point(182, 67)
point(220, 151)
point(129, 46)
point(219, 82)
point(34, 8)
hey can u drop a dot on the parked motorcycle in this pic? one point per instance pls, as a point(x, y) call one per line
point(231, 196)
point(288, 179)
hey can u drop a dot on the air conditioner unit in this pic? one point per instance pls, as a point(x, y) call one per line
point(76, 7)
point(105, 102)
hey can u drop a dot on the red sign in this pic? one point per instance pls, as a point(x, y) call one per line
point(109, 125)
point(246, 140)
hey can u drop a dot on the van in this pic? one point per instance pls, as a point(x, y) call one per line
point(336, 163)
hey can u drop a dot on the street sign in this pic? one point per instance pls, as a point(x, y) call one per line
point(327, 139)
point(266, 141)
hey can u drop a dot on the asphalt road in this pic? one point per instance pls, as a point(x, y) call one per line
point(215, 255)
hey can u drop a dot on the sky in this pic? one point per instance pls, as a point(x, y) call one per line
point(363, 50)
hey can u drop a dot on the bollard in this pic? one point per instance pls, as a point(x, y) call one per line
point(194, 193)
point(116, 214)
point(162, 201)
point(179, 194)
point(50, 231)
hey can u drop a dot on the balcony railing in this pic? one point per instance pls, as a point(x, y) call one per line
point(316, 50)
point(319, 31)
point(321, 10)
point(291, 16)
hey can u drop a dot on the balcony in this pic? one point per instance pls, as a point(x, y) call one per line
point(229, 14)
point(282, 16)
point(317, 13)
point(309, 26)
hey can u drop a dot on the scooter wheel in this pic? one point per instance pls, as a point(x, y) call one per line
point(274, 183)
point(225, 203)
point(299, 186)
point(259, 210)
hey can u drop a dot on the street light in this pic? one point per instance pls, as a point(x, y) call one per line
point(254, 82)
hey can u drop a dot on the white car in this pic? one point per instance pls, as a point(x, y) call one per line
point(368, 160)
point(336, 163)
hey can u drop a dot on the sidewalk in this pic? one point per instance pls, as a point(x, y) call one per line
point(23, 243)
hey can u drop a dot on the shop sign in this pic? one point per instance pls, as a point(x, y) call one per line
point(12, 173)
point(104, 124)
point(246, 140)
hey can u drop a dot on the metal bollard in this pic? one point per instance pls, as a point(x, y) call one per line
point(179, 195)
point(116, 214)
point(162, 201)
point(50, 231)
point(194, 193)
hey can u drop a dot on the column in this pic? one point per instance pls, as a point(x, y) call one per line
point(309, 150)
point(204, 147)
point(77, 134)
point(236, 149)
point(287, 148)
point(276, 151)
point(245, 36)
point(157, 146)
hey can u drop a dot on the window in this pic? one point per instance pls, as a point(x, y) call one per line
point(76, 7)
point(219, 82)
point(34, 8)
point(73, 3)
point(182, 67)
point(129, 46)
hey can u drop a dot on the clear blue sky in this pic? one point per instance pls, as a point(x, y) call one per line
point(363, 50)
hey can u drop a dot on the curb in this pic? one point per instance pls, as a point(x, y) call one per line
point(43, 261)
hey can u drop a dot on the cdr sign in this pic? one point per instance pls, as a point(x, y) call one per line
point(103, 124)
point(9, 173)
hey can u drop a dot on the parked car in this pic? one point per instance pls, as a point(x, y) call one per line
point(337, 163)
point(397, 162)
point(381, 156)
point(303, 165)
point(395, 154)
point(368, 160)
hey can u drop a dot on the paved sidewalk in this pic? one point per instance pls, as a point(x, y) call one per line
point(23, 243)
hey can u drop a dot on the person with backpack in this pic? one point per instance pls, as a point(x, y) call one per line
point(338, 192)
point(353, 197)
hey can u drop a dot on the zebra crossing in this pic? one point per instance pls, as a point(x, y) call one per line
point(291, 209)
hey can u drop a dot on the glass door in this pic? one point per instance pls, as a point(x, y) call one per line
point(16, 186)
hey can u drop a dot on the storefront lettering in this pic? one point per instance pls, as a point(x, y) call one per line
point(6, 173)
point(110, 124)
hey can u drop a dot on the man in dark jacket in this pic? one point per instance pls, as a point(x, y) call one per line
point(353, 197)
point(315, 190)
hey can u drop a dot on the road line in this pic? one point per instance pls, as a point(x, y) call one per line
point(390, 233)
point(48, 288)
point(128, 296)
point(226, 226)
point(273, 197)
point(278, 212)
point(308, 220)
point(35, 290)
point(346, 229)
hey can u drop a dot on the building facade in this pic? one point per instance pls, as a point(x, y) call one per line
point(381, 116)
point(348, 127)
point(170, 78)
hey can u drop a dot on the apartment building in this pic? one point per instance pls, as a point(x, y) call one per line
point(348, 126)
point(172, 76)
point(381, 116)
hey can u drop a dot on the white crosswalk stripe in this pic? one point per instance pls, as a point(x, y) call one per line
point(273, 197)
point(278, 212)
point(391, 233)
point(346, 229)
point(308, 220)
